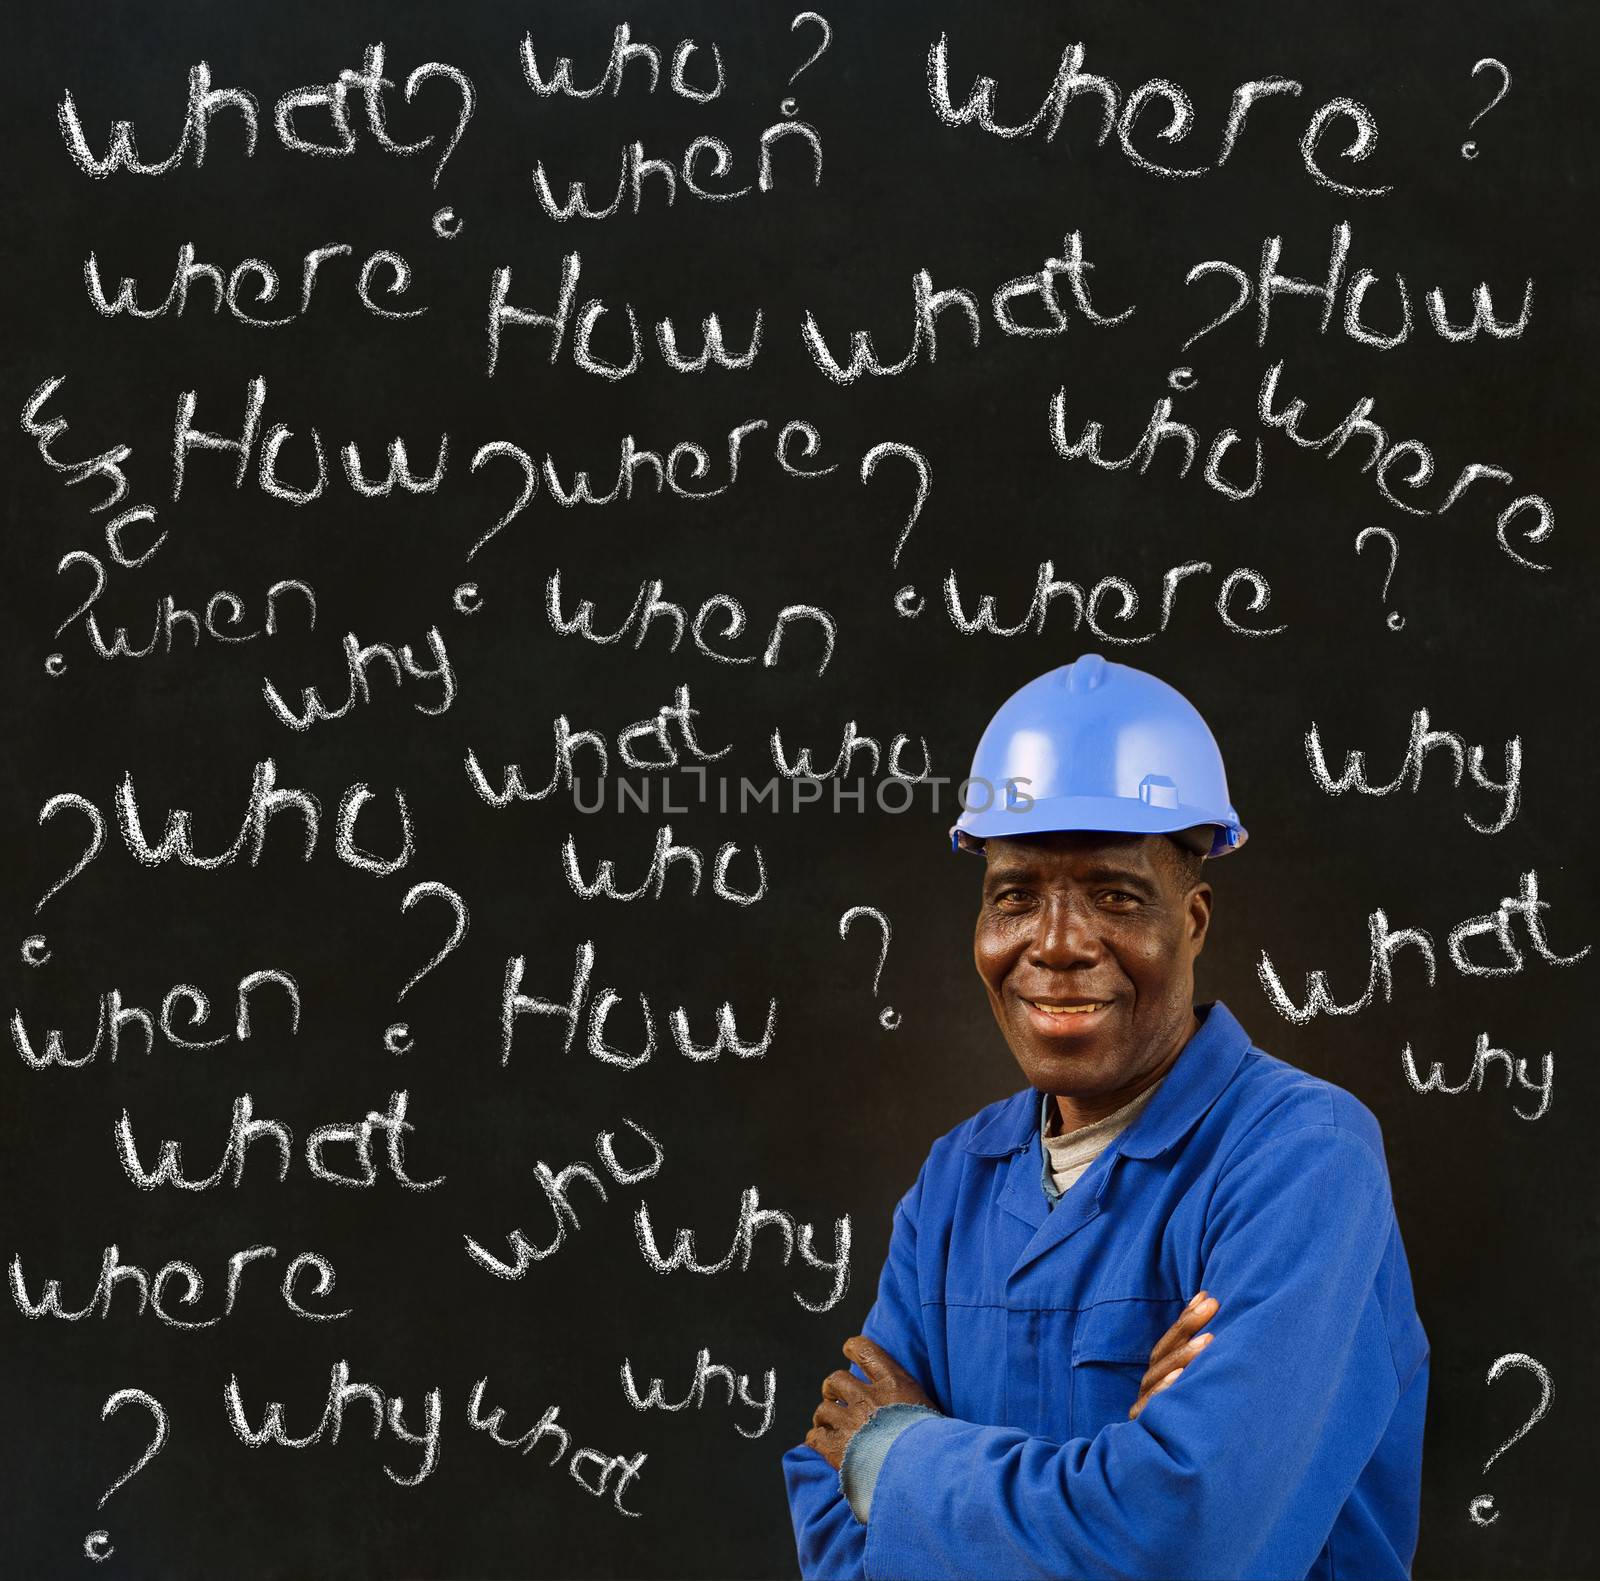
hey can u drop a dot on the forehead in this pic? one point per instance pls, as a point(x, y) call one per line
point(1075, 853)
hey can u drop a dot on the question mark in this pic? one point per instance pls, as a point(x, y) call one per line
point(1395, 619)
point(791, 106)
point(498, 449)
point(97, 1545)
point(888, 1017)
point(906, 601)
point(1480, 1506)
point(397, 1038)
point(1469, 150)
point(469, 101)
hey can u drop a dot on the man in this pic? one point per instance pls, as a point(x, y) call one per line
point(1032, 1395)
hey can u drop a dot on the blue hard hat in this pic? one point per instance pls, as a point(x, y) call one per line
point(1098, 745)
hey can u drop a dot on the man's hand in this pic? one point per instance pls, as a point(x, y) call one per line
point(1176, 1349)
point(847, 1402)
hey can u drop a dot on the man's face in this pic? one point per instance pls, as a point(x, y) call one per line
point(1086, 943)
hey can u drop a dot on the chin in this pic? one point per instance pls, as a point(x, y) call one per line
point(1065, 1066)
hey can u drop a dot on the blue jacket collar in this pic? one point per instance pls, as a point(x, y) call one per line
point(1201, 1071)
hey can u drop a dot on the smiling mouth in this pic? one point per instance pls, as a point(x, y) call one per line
point(1065, 1017)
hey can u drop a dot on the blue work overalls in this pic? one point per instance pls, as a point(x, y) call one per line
point(1291, 1446)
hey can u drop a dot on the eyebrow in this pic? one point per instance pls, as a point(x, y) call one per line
point(1118, 875)
point(1008, 875)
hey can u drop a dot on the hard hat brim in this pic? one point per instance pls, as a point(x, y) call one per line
point(1103, 814)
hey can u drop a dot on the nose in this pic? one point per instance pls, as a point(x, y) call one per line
point(1065, 936)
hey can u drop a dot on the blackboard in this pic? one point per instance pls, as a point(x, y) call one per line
point(788, 548)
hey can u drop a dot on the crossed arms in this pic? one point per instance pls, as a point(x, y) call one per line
point(1240, 1472)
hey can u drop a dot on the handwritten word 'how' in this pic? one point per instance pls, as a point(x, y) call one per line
point(514, 1004)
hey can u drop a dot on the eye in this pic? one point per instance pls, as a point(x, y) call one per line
point(1012, 897)
point(1120, 897)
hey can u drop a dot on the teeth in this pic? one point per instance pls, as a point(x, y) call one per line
point(1063, 1010)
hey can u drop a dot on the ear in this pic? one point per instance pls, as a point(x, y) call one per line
point(1198, 916)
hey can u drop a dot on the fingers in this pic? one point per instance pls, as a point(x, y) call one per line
point(839, 1391)
point(871, 1358)
point(1175, 1360)
point(844, 1395)
point(826, 1444)
point(829, 1415)
point(1176, 1349)
point(1148, 1389)
point(843, 1385)
point(1176, 1345)
point(1146, 1394)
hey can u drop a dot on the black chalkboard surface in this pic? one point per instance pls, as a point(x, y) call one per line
point(499, 501)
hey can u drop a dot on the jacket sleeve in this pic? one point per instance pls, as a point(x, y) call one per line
point(869, 1444)
point(1241, 1467)
point(829, 1540)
